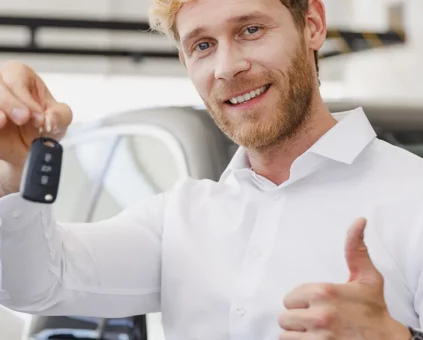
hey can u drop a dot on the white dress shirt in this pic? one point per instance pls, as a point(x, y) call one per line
point(217, 258)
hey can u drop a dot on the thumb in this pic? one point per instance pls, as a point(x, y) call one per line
point(360, 265)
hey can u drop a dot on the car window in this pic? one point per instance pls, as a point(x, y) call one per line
point(102, 174)
point(411, 140)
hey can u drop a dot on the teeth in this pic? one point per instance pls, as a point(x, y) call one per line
point(248, 96)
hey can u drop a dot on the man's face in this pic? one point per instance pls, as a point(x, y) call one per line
point(249, 63)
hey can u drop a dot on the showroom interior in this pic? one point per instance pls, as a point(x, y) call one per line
point(134, 107)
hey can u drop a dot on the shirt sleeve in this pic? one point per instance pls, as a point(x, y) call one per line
point(411, 251)
point(400, 229)
point(109, 269)
point(416, 256)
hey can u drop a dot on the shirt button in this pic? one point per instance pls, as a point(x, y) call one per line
point(16, 214)
point(275, 195)
point(240, 311)
point(256, 253)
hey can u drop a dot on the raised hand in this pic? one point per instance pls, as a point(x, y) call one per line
point(355, 310)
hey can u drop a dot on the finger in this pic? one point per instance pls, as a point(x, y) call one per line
point(38, 120)
point(13, 107)
point(311, 319)
point(3, 119)
point(58, 118)
point(360, 265)
point(20, 79)
point(24, 95)
point(296, 299)
point(299, 297)
point(307, 294)
point(315, 335)
point(292, 335)
point(298, 320)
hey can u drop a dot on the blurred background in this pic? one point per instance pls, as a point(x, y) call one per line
point(138, 113)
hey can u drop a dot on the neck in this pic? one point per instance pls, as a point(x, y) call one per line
point(275, 162)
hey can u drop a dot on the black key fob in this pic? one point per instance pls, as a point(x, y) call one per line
point(41, 176)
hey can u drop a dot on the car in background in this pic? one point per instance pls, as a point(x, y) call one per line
point(144, 152)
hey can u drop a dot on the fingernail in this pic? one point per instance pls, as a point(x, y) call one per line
point(19, 115)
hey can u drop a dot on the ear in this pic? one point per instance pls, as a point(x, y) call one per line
point(315, 33)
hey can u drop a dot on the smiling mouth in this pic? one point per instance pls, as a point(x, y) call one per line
point(248, 96)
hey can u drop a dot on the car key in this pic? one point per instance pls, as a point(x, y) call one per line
point(41, 175)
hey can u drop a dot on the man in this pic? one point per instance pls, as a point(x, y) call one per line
point(266, 252)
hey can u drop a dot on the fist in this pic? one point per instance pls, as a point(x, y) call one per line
point(26, 105)
point(351, 311)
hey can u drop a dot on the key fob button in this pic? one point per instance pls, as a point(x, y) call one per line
point(48, 157)
point(46, 180)
point(46, 169)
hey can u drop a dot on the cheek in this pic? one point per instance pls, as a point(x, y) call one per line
point(277, 59)
point(202, 77)
point(274, 51)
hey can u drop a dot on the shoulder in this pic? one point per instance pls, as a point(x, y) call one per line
point(394, 155)
point(399, 171)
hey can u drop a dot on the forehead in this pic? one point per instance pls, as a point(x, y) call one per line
point(216, 13)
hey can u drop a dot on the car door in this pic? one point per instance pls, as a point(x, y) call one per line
point(111, 163)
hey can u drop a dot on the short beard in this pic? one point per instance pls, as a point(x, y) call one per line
point(292, 110)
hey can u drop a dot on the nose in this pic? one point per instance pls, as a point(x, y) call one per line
point(230, 62)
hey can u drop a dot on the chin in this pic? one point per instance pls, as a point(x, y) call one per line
point(251, 136)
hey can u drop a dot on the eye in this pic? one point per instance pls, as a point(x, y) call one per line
point(252, 29)
point(202, 46)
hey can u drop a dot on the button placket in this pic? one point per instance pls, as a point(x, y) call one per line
point(253, 266)
point(256, 253)
point(241, 311)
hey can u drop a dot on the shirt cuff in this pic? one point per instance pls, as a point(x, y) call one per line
point(16, 213)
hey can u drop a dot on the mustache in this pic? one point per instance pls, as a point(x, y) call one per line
point(225, 90)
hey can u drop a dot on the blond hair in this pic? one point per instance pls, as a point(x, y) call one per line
point(162, 17)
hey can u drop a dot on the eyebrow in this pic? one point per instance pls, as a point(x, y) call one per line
point(232, 20)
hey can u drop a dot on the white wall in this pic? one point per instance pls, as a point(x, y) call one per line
point(414, 24)
point(394, 73)
point(93, 9)
point(102, 9)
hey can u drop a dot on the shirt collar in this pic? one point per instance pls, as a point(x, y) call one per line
point(342, 143)
point(347, 139)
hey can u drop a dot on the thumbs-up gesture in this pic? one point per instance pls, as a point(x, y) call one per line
point(355, 310)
